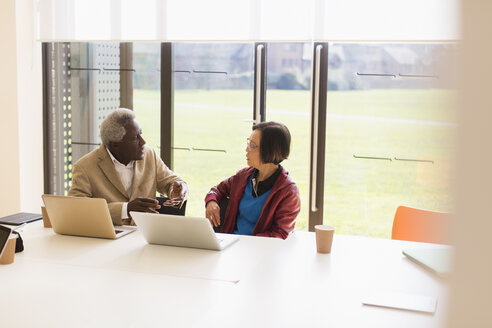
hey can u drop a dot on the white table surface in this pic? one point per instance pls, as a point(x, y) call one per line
point(64, 281)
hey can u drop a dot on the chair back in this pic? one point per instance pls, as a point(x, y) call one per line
point(223, 204)
point(415, 224)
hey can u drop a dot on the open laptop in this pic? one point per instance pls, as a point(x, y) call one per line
point(80, 216)
point(182, 231)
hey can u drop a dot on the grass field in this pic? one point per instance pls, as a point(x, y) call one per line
point(360, 195)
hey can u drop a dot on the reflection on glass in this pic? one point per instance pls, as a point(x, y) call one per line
point(390, 127)
point(288, 101)
point(213, 110)
point(146, 91)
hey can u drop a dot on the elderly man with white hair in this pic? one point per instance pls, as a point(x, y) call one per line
point(125, 172)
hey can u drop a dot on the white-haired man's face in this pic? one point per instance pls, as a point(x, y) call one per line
point(131, 147)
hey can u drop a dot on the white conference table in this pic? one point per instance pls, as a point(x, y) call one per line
point(65, 281)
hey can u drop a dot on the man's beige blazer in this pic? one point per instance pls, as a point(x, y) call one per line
point(94, 175)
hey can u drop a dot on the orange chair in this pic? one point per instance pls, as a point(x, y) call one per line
point(414, 224)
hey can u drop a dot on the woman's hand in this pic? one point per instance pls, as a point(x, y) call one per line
point(212, 212)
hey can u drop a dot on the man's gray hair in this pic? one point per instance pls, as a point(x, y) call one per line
point(113, 126)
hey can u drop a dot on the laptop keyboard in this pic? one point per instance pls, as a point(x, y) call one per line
point(118, 231)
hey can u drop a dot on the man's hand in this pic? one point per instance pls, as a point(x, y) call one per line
point(212, 212)
point(180, 190)
point(179, 194)
point(143, 204)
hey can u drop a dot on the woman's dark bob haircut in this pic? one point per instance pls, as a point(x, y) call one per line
point(274, 143)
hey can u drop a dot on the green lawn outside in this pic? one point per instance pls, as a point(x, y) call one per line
point(360, 196)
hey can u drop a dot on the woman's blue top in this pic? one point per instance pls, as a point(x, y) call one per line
point(249, 210)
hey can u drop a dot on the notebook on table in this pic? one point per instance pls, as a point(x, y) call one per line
point(401, 301)
point(80, 216)
point(182, 231)
point(20, 218)
point(436, 260)
point(173, 210)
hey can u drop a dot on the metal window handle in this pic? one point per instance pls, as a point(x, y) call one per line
point(399, 75)
point(209, 72)
point(120, 69)
point(209, 149)
point(85, 143)
point(371, 157)
point(259, 50)
point(314, 207)
point(84, 69)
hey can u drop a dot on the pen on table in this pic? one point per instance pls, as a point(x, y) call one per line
point(183, 200)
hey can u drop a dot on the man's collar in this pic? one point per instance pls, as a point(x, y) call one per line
point(116, 162)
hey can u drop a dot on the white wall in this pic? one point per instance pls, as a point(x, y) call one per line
point(30, 105)
point(471, 296)
point(9, 162)
point(21, 166)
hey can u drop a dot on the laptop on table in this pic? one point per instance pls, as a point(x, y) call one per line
point(436, 260)
point(80, 216)
point(182, 231)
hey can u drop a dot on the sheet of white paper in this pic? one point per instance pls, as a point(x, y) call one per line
point(403, 301)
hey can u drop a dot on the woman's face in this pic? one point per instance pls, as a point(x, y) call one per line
point(253, 149)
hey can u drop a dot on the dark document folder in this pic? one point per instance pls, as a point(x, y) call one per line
point(20, 218)
point(171, 210)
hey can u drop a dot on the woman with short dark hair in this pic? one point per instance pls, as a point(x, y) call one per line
point(263, 198)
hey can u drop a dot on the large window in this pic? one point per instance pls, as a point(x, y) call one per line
point(389, 134)
point(146, 90)
point(83, 84)
point(390, 125)
point(213, 106)
point(288, 101)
